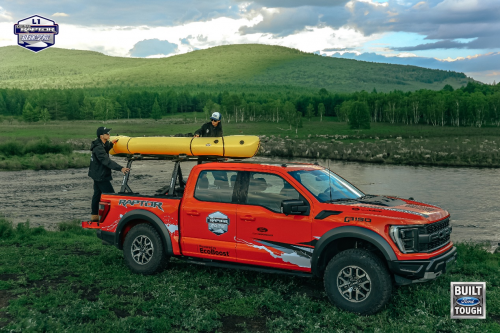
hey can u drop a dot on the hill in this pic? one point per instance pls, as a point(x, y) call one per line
point(250, 65)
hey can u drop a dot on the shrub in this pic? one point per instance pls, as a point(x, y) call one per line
point(6, 229)
point(45, 146)
point(12, 148)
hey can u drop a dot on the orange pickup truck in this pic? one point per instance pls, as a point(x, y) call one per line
point(299, 219)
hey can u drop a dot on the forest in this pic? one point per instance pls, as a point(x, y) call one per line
point(472, 105)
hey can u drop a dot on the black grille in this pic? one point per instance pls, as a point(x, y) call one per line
point(436, 226)
point(439, 242)
point(436, 244)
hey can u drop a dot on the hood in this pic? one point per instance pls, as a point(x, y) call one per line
point(396, 206)
point(95, 143)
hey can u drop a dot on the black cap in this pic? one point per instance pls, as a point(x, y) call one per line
point(102, 130)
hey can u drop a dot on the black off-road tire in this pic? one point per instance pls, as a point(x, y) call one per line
point(356, 272)
point(143, 250)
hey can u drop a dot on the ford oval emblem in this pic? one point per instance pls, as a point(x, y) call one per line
point(261, 229)
point(468, 301)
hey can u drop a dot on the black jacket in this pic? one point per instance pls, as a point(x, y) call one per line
point(100, 164)
point(209, 130)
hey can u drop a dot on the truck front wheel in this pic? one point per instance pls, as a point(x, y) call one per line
point(357, 280)
point(143, 250)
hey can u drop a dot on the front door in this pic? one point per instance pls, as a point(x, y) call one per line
point(264, 235)
point(208, 218)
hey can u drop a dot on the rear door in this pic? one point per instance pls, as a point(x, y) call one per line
point(264, 235)
point(208, 216)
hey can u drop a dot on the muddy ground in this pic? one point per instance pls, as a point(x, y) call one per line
point(46, 198)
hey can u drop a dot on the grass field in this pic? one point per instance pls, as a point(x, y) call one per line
point(383, 143)
point(250, 65)
point(185, 123)
point(67, 281)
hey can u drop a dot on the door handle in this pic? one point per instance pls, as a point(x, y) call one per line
point(247, 218)
point(193, 213)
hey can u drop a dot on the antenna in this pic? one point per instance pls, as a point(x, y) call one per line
point(329, 180)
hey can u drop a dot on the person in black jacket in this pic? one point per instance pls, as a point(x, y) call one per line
point(211, 129)
point(100, 169)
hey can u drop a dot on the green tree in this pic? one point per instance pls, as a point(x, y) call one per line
point(87, 109)
point(3, 105)
point(359, 115)
point(104, 109)
point(321, 110)
point(297, 120)
point(289, 110)
point(29, 113)
point(309, 111)
point(156, 111)
point(44, 115)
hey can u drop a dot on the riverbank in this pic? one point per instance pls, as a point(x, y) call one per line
point(66, 280)
point(327, 138)
point(455, 151)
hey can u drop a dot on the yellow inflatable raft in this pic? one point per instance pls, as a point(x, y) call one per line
point(235, 146)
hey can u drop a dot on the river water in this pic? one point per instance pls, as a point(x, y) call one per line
point(471, 195)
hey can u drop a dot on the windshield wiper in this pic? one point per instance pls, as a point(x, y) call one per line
point(343, 199)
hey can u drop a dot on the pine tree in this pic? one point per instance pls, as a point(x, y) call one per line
point(156, 111)
point(44, 115)
point(29, 114)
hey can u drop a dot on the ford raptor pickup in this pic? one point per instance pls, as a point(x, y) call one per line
point(299, 219)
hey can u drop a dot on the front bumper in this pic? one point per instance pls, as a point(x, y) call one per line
point(414, 271)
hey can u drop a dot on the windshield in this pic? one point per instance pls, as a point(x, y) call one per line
point(326, 186)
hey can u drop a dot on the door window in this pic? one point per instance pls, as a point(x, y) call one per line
point(216, 186)
point(269, 191)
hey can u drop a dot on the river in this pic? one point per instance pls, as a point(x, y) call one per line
point(471, 195)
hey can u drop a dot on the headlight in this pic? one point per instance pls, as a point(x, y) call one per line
point(405, 237)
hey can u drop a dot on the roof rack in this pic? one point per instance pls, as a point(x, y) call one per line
point(277, 163)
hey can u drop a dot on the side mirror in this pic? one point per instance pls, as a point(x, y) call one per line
point(294, 207)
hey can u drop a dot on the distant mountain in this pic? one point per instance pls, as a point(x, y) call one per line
point(249, 65)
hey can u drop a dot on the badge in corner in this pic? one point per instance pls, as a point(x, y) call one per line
point(36, 33)
point(468, 300)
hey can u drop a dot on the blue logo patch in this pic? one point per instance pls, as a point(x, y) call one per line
point(36, 33)
point(468, 301)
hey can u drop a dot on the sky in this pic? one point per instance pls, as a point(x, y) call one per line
point(455, 35)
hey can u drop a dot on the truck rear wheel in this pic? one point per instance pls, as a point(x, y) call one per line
point(357, 280)
point(143, 250)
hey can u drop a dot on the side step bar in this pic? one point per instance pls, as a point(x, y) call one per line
point(220, 264)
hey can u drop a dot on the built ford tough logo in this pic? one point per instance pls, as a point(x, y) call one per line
point(141, 203)
point(468, 300)
point(217, 223)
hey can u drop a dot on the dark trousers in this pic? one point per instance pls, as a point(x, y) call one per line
point(100, 187)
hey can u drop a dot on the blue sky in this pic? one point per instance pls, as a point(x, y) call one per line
point(457, 35)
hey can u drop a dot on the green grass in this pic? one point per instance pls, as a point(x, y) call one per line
point(248, 66)
point(41, 154)
point(67, 281)
point(71, 131)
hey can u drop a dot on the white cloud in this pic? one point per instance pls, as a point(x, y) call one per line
point(60, 15)
point(5, 15)
point(119, 40)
